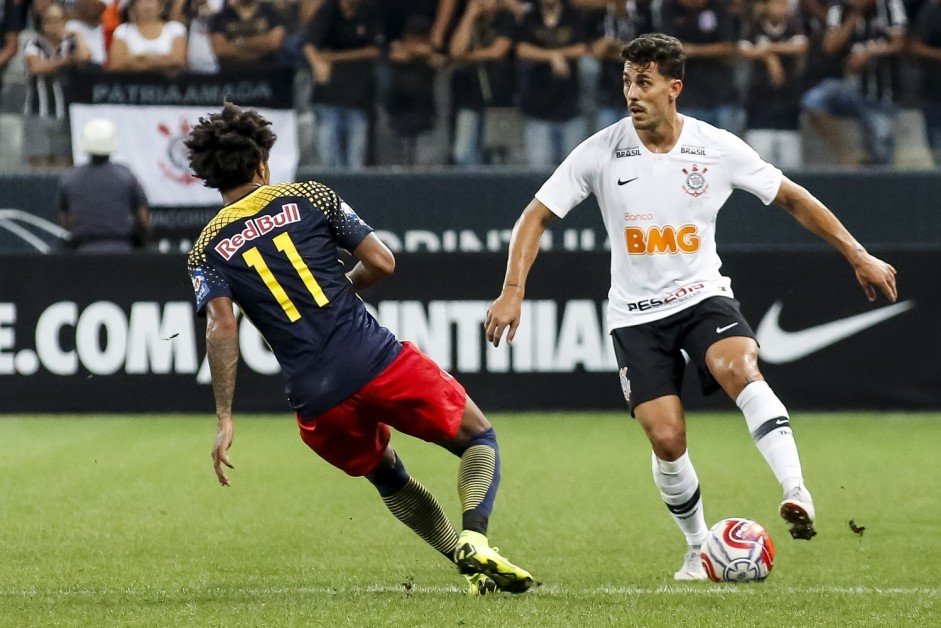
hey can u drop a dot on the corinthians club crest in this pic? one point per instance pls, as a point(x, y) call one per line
point(174, 164)
point(696, 184)
point(625, 384)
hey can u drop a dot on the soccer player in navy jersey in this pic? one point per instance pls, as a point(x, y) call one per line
point(272, 250)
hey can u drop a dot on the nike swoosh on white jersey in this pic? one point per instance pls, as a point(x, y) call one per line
point(779, 346)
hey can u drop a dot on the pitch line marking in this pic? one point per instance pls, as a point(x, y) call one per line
point(550, 590)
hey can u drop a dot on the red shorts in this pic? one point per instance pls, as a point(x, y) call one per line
point(413, 395)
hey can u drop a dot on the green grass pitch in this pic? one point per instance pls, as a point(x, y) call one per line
point(115, 521)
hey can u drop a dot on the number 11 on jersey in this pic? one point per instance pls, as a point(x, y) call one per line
point(284, 244)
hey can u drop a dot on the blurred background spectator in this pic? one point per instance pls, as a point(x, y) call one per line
point(869, 35)
point(410, 100)
point(100, 203)
point(443, 15)
point(446, 14)
point(514, 82)
point(821, 65)
point(306, 9)
point(10, 27)
point(707, 31)
point(482, 74)
point(87, 25)
point(196, 15)
point(774, 40)
point(48, 57)
point(342, 47)
point(247, 32)
point(147, 42)
point(926, 45)
point(614, 26)
point(550, 41)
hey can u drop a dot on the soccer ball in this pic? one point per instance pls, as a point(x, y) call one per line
point(737, 550)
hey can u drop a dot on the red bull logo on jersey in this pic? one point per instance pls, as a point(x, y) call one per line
point(257, 227)
point(661, 240)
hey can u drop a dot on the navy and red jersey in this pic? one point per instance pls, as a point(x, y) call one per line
point(274, 252)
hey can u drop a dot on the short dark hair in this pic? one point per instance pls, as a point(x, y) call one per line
point(665, 51)
point(226, 148)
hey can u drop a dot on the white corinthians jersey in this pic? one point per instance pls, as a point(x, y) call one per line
point(660, 211)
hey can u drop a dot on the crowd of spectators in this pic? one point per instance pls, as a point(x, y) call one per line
point(756, 68)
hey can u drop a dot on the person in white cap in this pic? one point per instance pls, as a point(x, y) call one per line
point(102, 204)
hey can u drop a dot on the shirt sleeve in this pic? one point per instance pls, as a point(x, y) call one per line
point(208, 284)
point(898, 18)
point(140, 197)
point(525, 28)
point(10, 17)
point(834, 16)
point(504, 25)
point(581, 32)
point(120, 32)
point(748, 171)
point(176, 29)
point(218, 23)
point(348, 229)
point(32, 49)
point(275, 17)
point(725, 30)
point(921, 24)
point(319, 26)
point(572, 181)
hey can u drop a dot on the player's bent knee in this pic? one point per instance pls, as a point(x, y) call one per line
point(734, 371)
point(473, 422)
point(667, 442)
point(473, 419)
point(387, 479)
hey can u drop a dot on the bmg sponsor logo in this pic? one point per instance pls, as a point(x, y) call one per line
point(666, 240)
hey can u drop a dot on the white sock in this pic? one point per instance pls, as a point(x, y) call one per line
point(679, 488)
point(770, 428)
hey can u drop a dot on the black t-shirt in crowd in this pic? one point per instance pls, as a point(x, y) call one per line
point(927, 30)
point(478, 85)
point(768, 106)
point(623, 27)
point(352, 83)
point(545, 95)
point(708, 82)
point(879, 80)
point(227, 22)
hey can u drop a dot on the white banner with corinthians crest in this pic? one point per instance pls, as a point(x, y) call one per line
point(154, 115)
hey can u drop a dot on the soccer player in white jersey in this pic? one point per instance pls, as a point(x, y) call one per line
point(660, 179)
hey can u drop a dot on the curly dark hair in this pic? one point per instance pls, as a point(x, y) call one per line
point(226, 148)
point(665, 51)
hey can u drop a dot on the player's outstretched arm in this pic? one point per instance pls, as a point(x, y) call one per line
point(375, 263)
point(504, 312)
point(222, 350)
point(872, 273)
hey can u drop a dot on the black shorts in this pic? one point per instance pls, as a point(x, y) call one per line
point(650, 361)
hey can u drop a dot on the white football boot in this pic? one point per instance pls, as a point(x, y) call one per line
point(797, 510)
point(692, 568)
